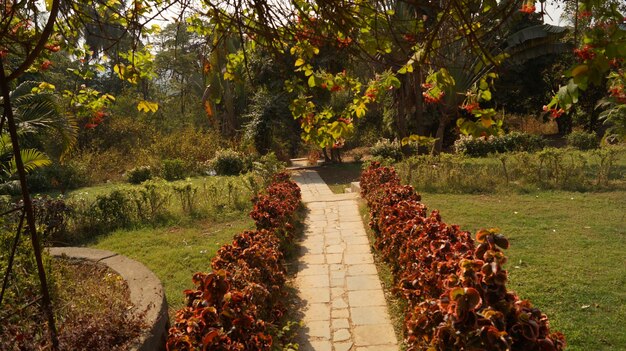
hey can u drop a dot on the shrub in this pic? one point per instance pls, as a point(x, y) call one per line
point(385, 148)
point(239, 303)
point(51, 217)
point(139, 175)
point(550, 168)
point(192, 145)
point(23, 282)
point(480, 147)
point(63, 177)
point(151, 200)
point(273, 210)
point(187, 196)
point(111, 164)
point(113, 210)
point(455, 289)
point(265, 169)
point(582, 140)
point(174, 169)
point(228, 162)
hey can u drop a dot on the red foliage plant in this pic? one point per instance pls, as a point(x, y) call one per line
point(272, 211)
point(233, 307)
point(455, 290)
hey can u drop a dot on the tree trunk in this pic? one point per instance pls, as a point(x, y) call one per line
point(28, 208)
point(419, 100)
point(441, 131)
point(335, 155)
point(228, 126)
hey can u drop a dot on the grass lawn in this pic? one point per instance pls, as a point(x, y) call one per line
point(567, 256)
point(176, 248)
point(175, 253)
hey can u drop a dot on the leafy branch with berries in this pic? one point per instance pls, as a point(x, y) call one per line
point(600, 57)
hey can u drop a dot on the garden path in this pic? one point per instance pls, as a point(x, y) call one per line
point(337, 279)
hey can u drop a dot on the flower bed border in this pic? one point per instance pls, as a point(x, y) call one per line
point(146, 292)
point(238, 306)
point(455, 290)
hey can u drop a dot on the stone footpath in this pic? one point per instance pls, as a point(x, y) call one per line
point(337, 279)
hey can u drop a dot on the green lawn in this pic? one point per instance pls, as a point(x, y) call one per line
point(567, 251)
point(176, 249)
point(174, 254)
point(567, 256)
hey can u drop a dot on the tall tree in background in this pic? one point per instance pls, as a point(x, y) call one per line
point(439, 53)
point(600, 36)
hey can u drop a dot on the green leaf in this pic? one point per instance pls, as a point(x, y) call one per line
point(394, 82)
point(486, 95)
point(46, 86)
point(31, 158)
point(580, 69)
point(147, 106)
point(336, 130)
point(311, 81)
point(360, 110)
point(483, 85)
point(299, 62)
point(120, 70)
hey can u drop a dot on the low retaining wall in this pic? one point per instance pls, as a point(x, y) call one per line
point(146, 291)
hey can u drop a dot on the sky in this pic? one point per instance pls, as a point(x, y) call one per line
point(554, 12)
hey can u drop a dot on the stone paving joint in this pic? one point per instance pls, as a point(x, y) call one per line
point(337, 279)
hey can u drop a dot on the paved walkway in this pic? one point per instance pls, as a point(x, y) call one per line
point(337, 279)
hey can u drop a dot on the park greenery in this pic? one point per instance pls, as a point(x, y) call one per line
point(135, 117)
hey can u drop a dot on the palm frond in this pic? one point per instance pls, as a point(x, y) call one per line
point(535, 32)
point(6, 146)
point(32, 159)
point(39, 113)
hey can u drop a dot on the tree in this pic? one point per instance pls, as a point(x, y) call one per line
point(601, 51)
point(28, 35)
point(424, 52)
point(37, 115)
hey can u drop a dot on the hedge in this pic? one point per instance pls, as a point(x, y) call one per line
point(238, 304)
point(455, 286)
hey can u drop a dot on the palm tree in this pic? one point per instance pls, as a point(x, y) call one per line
point(37, 115)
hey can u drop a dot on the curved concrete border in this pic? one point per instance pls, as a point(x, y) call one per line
point(146, 291)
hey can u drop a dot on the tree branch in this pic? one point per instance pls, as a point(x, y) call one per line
point(43, 39)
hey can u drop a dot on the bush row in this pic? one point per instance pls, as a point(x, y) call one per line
point(582, 140)
point(226, 162)
point(76, 173)
point(550, 168)
point(455, 287)
point(483, 146)
point(239, 304)
point(80, 217)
